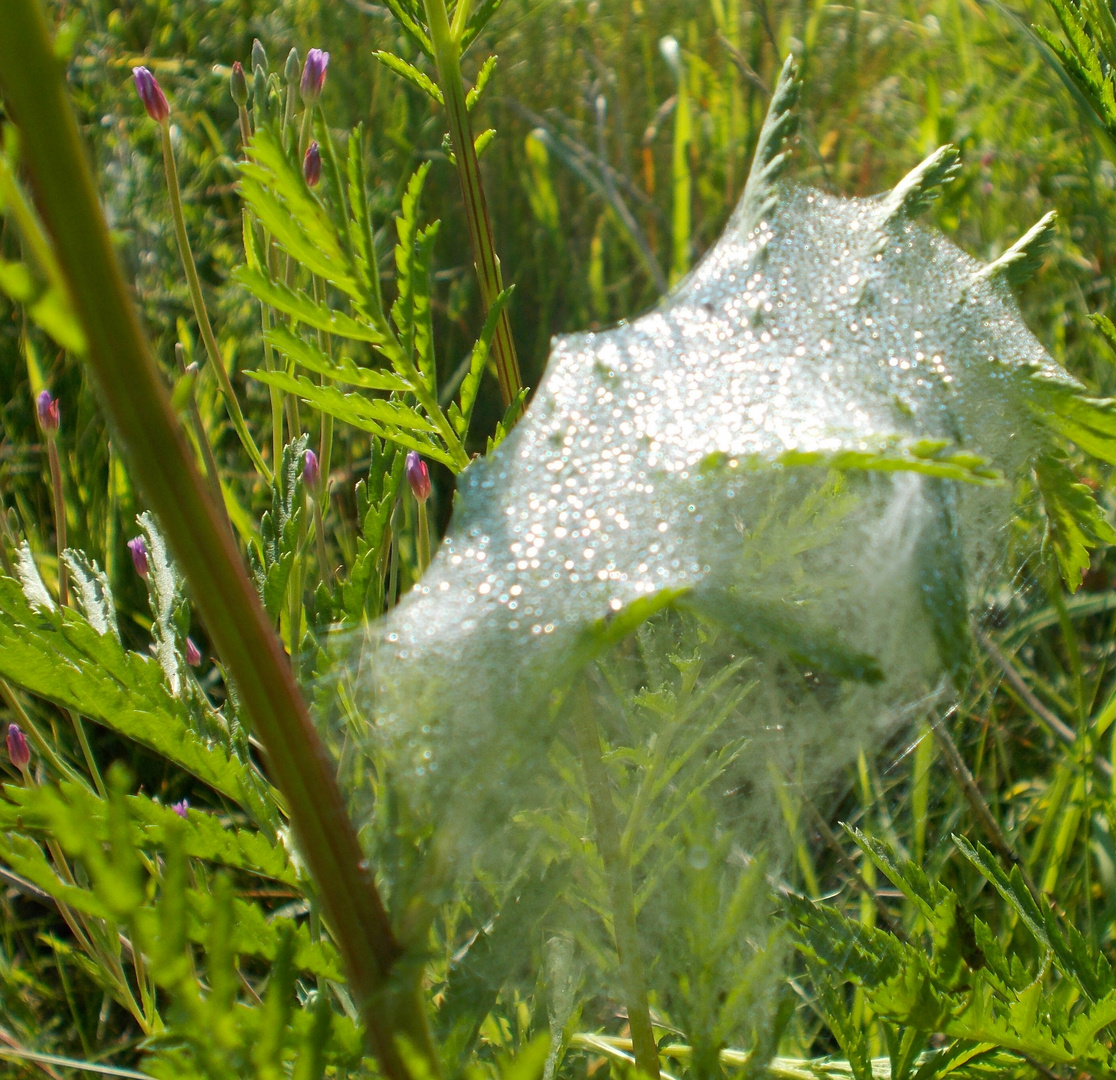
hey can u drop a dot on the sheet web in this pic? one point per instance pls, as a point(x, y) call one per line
point(733, 546)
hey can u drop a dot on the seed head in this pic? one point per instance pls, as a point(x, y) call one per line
point(312, 164)
point(18, 750)
point(151, 94)
point(138, 547)
point(418, 476)
point(238, 84)
point(47, 407)
point(313, 75)
point(311, 470)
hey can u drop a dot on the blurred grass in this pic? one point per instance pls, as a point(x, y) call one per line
point(598, 136)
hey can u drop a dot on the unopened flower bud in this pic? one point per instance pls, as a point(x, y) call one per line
point(138, 547)
point(151, 94)
point(292, 68)
point(18, 750)
point(259, 55)
point(47, 408)
point(238, 84)
point(193, 653)
point(311, 471)
point(312, 164)
point(418, 476)
point(181, 808)
point(313, 75)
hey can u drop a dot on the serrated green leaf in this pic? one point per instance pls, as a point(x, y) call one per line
point(387, 420)
point(279, 195)
point(470, 385)
point(485, 73)
point(93, 592)
point(1075, 523)
point(62, 659)
point(341, 369)
point(302, 307)
point(412, 74)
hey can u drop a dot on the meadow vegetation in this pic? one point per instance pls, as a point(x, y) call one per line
point(949, 902)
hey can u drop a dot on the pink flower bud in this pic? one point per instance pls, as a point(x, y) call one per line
point(181, 808)
point(418, 476)
point(311, 471)
point(151, 94)
point(138, 547)
point(193, 653)
point(313, 75)
point(18, 750)
point(312, 164)
point(48, 412)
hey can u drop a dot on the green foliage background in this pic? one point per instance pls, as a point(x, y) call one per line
point(622, 177)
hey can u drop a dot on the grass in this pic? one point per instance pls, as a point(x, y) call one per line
point(615, 165)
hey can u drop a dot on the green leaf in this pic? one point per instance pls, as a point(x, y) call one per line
point(171, 617)
point(279, 195)
point(940, 567)
point(1074, 522)
point(411, 24)
point(62, 659)
point(508, 420)
point(406, 227)
point(342, 369)
point(93, 592)
point(412, 74)
point(302, 307)
point(485, 73)
point(385, 419)
point(470, 385)
point(423, 319)
point(931, 457)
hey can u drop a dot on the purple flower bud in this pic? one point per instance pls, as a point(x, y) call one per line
point(418, 476)
point(312, 164)
point(311, 471)
point(181, 808)
point(47, 408)
point(151, 94)
point(193, 653)
point(18, 750)
point(238, 84)
point(138, 547)
point(313, 75)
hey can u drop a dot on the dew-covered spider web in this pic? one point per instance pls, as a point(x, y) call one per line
point(735, 539)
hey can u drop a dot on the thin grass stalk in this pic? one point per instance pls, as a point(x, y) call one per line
point(213, 478)
point(619, 874)
point(200, 312)
point(447, 57)
point(138, 406)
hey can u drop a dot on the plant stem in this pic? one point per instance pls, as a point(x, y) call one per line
point(200, 312)
point(423, 539)
point(213, 478)
point(619, 873)
point(447, 57)
point(135, 397)
point(59, 515)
